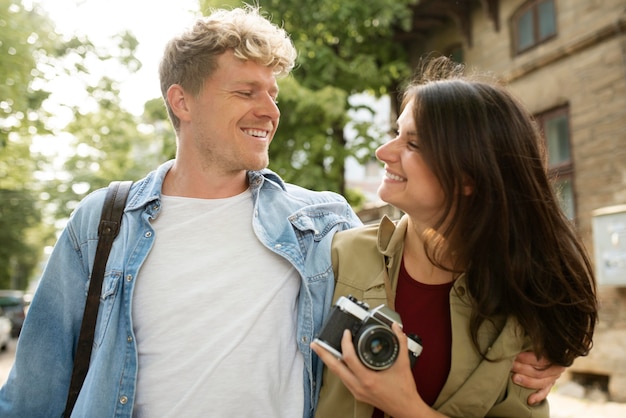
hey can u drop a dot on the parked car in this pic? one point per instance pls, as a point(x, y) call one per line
point(15, 305)
point(5, 330)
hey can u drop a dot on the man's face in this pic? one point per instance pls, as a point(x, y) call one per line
point(235, 116)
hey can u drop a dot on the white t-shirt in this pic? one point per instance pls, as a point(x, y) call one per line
point(214, 314)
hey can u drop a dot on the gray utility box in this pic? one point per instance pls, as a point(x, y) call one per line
point(609, 243)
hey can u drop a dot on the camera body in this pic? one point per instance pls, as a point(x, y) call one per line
point(374, 341)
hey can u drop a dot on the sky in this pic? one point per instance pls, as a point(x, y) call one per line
point(153, 23)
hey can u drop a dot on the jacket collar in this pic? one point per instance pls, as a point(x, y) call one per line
point(391, 235)
point(390, 242)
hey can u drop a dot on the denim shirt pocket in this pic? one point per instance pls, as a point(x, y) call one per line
point(314, 229)
point(110, 285)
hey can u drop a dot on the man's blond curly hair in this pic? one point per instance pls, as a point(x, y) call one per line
point(191, 57)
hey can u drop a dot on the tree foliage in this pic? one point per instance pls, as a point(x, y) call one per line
point(304, 150)
point(107, 142)
point(346, 44)
point(25, 38)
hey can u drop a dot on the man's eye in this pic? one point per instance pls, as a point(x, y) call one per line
point(245, 93)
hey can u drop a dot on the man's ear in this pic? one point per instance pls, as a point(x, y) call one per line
point(178, 100)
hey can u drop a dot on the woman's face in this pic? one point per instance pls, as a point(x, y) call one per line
point(409, 184)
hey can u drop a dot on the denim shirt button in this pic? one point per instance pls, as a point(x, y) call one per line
point(278, 245)
point(148, 234)
point(123, 400)
point(305, 339)
point(129, 338)
point(129, 277)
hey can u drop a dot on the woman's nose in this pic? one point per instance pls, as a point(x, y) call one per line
point(385, 151)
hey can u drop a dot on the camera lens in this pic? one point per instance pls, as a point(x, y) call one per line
point(377, 347)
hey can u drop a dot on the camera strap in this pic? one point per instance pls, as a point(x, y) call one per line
point(109, 227)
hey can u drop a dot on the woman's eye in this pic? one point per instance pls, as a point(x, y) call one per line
point(413, 145)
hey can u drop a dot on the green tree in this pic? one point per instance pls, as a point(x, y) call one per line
point(26, 38)
point(109, 142)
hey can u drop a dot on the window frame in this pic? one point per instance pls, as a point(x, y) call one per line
point(454, 51)
point(531, 6)
point(563, 170)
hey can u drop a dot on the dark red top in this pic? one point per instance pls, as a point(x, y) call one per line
point(425, 311)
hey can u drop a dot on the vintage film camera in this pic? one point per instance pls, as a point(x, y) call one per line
point(374, 341)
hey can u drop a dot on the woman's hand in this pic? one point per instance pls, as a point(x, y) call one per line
point(534, 373)
point(392, 390)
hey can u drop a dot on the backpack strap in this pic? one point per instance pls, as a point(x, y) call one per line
point(110, 221)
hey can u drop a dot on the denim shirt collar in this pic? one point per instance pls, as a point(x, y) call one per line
point(150, 189)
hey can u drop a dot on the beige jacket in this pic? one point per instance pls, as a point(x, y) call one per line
point(366, 263)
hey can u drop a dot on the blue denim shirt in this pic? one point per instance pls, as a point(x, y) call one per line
point(295, 223)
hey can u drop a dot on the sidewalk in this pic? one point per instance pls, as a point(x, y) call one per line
point(562, 406)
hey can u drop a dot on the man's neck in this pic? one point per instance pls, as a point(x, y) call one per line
point(188, 182)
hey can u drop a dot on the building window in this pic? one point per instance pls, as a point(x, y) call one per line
point(455, 53)
point(533, 23)
point(555, 128)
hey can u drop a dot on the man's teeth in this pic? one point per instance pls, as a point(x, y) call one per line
point(255, 132)
point(394, 177)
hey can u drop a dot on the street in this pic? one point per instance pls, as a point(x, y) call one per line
point(6, 361)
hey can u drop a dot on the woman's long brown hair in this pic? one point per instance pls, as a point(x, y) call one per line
point(520, 253)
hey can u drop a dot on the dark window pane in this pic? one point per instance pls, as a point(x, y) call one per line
point(566, 196)
point(557, 138)
point(525, 30)
point(547, 21)
point(457, 54)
